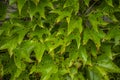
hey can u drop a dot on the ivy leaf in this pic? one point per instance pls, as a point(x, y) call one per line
point(36, 2)
point(62, 14)
point(39, 33)
point(75, 35)
point(1, 69)
point(86, 36)
point(93, 74)
point(3, 9)
point(20, 4)
point(10, 45)
point(102, 72)
point(21, 35)
point(74, 4)
point(107, 64)
point(17, 73)
point(39, 51)
point(1, 31)
point(80, 76)
point(41, 7)
point(73, 51)
point(114, 33)
point(96, 19)
point(33, 69)
point(32, 9)
point(87, 2)
point(18, 59)
point(75, 23)
point(12, 1)
point(96, 37)
point(107, 49)
point(93, 50)
point(27, 47)
point(46, 67)
point(83, 54)
point(94, 22)
point(109, 2)
point(53, 43)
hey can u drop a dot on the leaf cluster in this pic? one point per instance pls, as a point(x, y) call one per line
point(59, 39)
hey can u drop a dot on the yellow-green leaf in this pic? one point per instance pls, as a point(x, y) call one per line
point(20, 4)
point(39, 51)
point(75, 23)
point(109, 2)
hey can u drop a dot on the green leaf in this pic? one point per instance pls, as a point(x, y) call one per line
point(96, 37)
point(26, 48)
point(41, 7)
point(18, 59)
point(96, 19)
point(75, 23)
point(86, 36)
point(39, 51)
point(46, 67)
point(36, 1)
point(80, 76)
point(9, 44)
point(32, 9)
point(114, 33)
point(17, 73)
point(1, 70)
point(94, 22)
point(94, 51)
point(39, 33)
point(21, 35)
point(83, 54)
point(103, 73)
point(75, 35)
point(74, 4)
point(33, 69)
point(106, 63)
point(62, 14)
point(108, 50)
point(87, 2)
point(20, 4)
point(1, 31)
point(93, 74)
point(12, 1)
point(109, 2)
point(3, 10)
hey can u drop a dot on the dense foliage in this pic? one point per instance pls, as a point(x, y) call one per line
point(59, 39)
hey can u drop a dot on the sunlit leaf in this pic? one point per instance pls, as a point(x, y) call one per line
point(12, 1)
point(32, 9)
point(109, 2)
point(62, 14)
point(86, 36)
point(1, 31)
point(94, 74)
point(3, 10)
point(87, 2)
point(39, 51)
point(83, 54)
point(74, 4)
point(41, 7)
point(75, 35)
point(106, 63)
point(20, 4)
point(10, 45)
point(21, 35)
point(75, 23)
point(36, 1)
